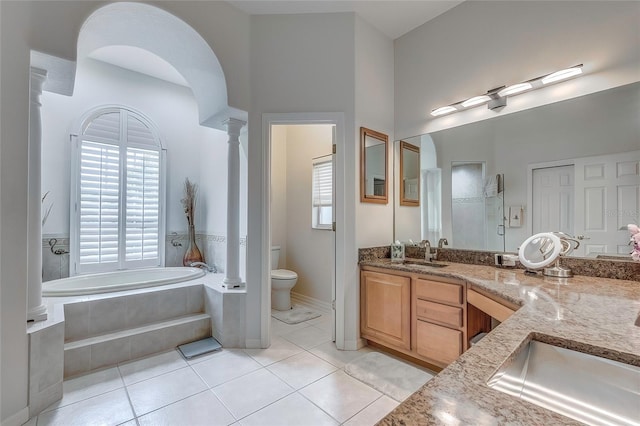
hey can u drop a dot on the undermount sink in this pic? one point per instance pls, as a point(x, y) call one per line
point(425, 263)
point(584, 387)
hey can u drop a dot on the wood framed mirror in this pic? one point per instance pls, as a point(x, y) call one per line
point(409, 174)
point(374, 174)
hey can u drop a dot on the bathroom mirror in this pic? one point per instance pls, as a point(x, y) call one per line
point(410, 173)
point(562, 134)
point(539, 250)
point(374, 177)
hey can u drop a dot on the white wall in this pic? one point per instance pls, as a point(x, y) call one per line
point(309, 252)
point(192, 151)
point(374, 110)
point(480, 45)
point(302, 63)
point(52, 28)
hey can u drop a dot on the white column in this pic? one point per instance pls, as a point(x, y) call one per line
point(232, 271)
point(36, 310)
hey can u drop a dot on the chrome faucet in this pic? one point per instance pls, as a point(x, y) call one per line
point(427, 250)
point(442, 242)
point(204, 266)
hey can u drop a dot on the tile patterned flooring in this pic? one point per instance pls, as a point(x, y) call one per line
point(299, 380)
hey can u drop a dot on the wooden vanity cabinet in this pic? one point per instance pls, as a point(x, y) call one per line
point(385, 309)
point(427, 318)
point(439, 334)
point(420, 316)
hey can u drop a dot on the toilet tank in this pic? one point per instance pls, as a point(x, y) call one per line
point(275, 257)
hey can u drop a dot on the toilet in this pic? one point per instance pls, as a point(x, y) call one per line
point(282, 281)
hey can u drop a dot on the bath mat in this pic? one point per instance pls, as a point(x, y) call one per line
point(199, 347)
point(295, 315)
point(394, 378)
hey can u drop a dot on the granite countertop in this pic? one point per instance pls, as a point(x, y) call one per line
point(588, 314)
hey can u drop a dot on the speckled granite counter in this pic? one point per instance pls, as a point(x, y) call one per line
point(592, 315)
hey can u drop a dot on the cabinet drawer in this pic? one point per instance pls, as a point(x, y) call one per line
point(446, 314)
point(440, 292)
point(438, 343)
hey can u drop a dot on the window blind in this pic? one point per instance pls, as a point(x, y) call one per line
point(322, 193)
point(322, 184)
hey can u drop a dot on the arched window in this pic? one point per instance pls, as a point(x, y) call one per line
point(117, 193)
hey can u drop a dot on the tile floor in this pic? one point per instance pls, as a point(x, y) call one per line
point(298, 381)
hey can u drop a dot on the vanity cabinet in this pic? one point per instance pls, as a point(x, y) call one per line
point(385, 309)
point(419, 316)
point(439, 318)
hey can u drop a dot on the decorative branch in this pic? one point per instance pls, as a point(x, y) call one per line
point(45, 216)
point(189, 200)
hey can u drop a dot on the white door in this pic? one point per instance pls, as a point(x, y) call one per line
point(608, 192)
point(553, 199)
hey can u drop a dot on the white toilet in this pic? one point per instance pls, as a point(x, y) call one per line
point(282, 281)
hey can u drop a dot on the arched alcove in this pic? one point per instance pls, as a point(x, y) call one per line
point(171, 39)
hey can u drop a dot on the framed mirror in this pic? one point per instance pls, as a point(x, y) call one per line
point(374, 176)
point(410, 174)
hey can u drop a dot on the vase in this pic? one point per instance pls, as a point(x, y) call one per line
point(193, 253)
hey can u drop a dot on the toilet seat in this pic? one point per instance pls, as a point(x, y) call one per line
point(283, 274)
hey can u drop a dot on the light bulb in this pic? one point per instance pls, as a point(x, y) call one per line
point(442, 110)
point(514, 89)
point(562, 75)
point(476, 100)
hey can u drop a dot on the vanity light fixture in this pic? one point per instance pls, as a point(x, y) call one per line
point(497, 98)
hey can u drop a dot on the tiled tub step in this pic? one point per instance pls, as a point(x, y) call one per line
point(113, 329)
point(90, 318)
point(90, 353)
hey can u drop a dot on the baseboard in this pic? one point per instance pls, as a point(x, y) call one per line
point(17, 419)
point(251, 344)
point(311, 302)
point(354, 345)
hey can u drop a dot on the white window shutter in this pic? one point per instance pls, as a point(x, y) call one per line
point(143, 204)
point(99, 202)
point(120, 194)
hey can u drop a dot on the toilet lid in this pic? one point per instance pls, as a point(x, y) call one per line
point(283, 274)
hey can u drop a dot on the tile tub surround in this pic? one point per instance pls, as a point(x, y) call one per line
point(602, 268)
point(47, 338)
point(588, 314)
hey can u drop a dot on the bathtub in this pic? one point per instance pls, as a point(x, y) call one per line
point(118, 281)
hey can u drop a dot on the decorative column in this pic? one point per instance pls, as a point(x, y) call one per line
point(232, 271)
point(36, 310)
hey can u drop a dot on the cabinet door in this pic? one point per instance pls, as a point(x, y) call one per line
point(438, 343)
point(385, 308)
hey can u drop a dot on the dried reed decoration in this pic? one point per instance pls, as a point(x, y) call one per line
point(189, 200)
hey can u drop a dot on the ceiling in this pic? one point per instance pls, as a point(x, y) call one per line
point(393, 18)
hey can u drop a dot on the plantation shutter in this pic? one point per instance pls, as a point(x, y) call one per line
point(143, 204)
point(99, 202)
point(120, 194)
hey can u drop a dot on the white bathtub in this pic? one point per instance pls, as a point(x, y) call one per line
point(118, 281)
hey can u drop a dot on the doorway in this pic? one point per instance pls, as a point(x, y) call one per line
point(298, 146)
